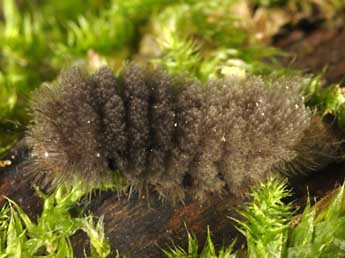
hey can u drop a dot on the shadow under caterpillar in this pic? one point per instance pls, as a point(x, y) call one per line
point(169, 134)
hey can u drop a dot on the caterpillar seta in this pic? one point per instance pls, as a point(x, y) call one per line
point(171, 134)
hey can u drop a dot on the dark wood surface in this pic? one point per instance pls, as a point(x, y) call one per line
point(142, 228)
point(316, 51)
point(134, 226)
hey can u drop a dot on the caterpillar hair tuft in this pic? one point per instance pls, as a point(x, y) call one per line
point(169, 134)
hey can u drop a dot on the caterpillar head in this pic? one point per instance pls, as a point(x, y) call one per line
point(65, 131)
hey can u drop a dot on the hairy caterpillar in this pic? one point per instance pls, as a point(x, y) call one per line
point(170, 134)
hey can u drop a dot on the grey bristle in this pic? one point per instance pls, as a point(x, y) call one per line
point(170, 134)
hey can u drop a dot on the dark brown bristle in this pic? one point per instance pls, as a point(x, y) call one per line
point(186, 138)
point(136, 97)
point(111, 111)
point(65, 136)
point(169, 134)
point(162, 117)
point(264, 123)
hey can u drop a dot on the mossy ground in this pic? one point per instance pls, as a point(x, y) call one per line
point(39, 38)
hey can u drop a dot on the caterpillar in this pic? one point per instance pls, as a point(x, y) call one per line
point(170, 134)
